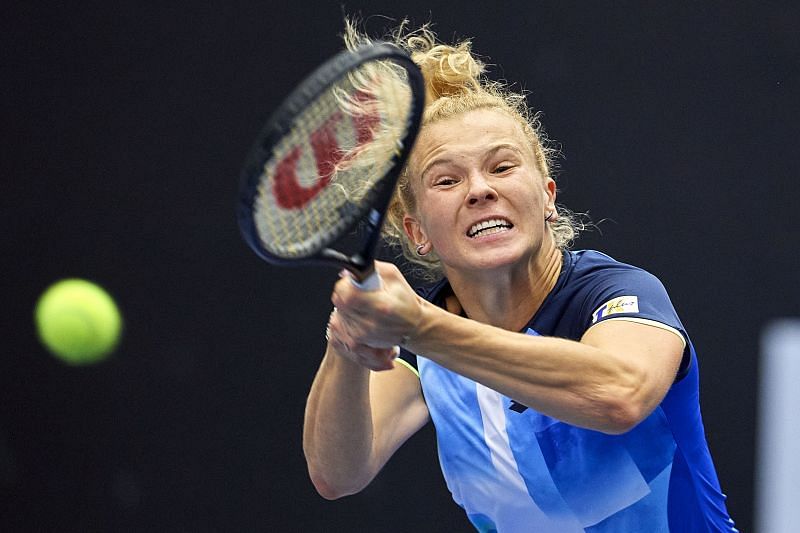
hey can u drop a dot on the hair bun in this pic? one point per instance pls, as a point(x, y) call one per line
point(448, 70)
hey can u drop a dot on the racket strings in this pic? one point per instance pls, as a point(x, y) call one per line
point(289, 206)
point(327, 168)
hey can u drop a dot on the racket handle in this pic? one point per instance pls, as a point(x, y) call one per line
point(370, 283)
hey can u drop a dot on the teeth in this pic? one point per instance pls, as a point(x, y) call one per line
point(487, 227)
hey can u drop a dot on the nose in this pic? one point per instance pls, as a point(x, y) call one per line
point(480, 190)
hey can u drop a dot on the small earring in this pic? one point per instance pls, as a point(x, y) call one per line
point(419, 250)
point(549, 216)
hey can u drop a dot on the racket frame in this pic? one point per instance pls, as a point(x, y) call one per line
point(279, 125)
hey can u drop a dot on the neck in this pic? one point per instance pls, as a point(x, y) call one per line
point(507, 299)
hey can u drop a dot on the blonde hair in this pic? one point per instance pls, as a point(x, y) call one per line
point(455, 83)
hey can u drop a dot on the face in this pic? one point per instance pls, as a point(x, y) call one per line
point(481, 199)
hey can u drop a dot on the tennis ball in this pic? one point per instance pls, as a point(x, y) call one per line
point(78, 321)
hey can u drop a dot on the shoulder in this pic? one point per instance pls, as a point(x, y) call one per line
point(607, 289)
point(594, 263)
point(604, 288)
point(588, 273)
point(593, 271)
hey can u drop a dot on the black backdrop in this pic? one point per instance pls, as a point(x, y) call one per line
point(124, 125)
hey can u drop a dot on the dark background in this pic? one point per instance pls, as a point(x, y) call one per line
point(124, 125)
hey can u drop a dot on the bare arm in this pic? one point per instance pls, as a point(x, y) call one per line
point(608, 381)
point(355, 420)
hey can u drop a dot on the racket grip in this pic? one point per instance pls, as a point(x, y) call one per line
point(370, 283)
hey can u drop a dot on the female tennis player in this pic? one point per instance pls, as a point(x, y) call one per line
point(562, 385)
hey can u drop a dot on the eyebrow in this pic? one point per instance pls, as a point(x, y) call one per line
point(488, 153)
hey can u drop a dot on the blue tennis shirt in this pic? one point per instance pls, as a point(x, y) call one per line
point(513, 469)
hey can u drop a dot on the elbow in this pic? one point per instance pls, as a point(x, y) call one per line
point(621, 417)
point(333, 478)
point(629, 399)
point(326, 490)
point(625, 410)
point(331, 490)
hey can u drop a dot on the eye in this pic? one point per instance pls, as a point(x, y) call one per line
point(502, 168)
point(444, 181)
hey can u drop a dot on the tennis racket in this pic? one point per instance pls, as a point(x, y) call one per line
point(327, 161)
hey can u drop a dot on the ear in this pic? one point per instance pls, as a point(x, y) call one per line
point(414, 230)
point(550, 198)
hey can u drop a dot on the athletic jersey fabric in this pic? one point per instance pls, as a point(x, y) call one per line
point(513, 469)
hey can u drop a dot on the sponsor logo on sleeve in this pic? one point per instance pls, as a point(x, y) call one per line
point(620, 304)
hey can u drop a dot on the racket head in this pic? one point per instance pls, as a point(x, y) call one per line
point(329, 158)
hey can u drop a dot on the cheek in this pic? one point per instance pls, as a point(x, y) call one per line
point(431, 209)
point(437, 224)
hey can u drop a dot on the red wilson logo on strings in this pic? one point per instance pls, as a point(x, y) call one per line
point(288, 191)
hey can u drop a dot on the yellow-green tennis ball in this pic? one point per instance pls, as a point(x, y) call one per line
point(78, 321)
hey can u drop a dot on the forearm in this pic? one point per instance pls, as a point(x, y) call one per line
point(568, 380)
point(338, 432)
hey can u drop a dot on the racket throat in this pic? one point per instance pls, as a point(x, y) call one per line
point(358, 264)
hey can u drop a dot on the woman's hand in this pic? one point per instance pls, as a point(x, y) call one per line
point(367, 326)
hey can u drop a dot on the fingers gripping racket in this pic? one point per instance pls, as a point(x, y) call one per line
point(328, 159)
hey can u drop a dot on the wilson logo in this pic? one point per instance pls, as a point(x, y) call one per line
point(288, 191)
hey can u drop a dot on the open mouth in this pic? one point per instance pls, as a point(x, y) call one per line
point(488, 227)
